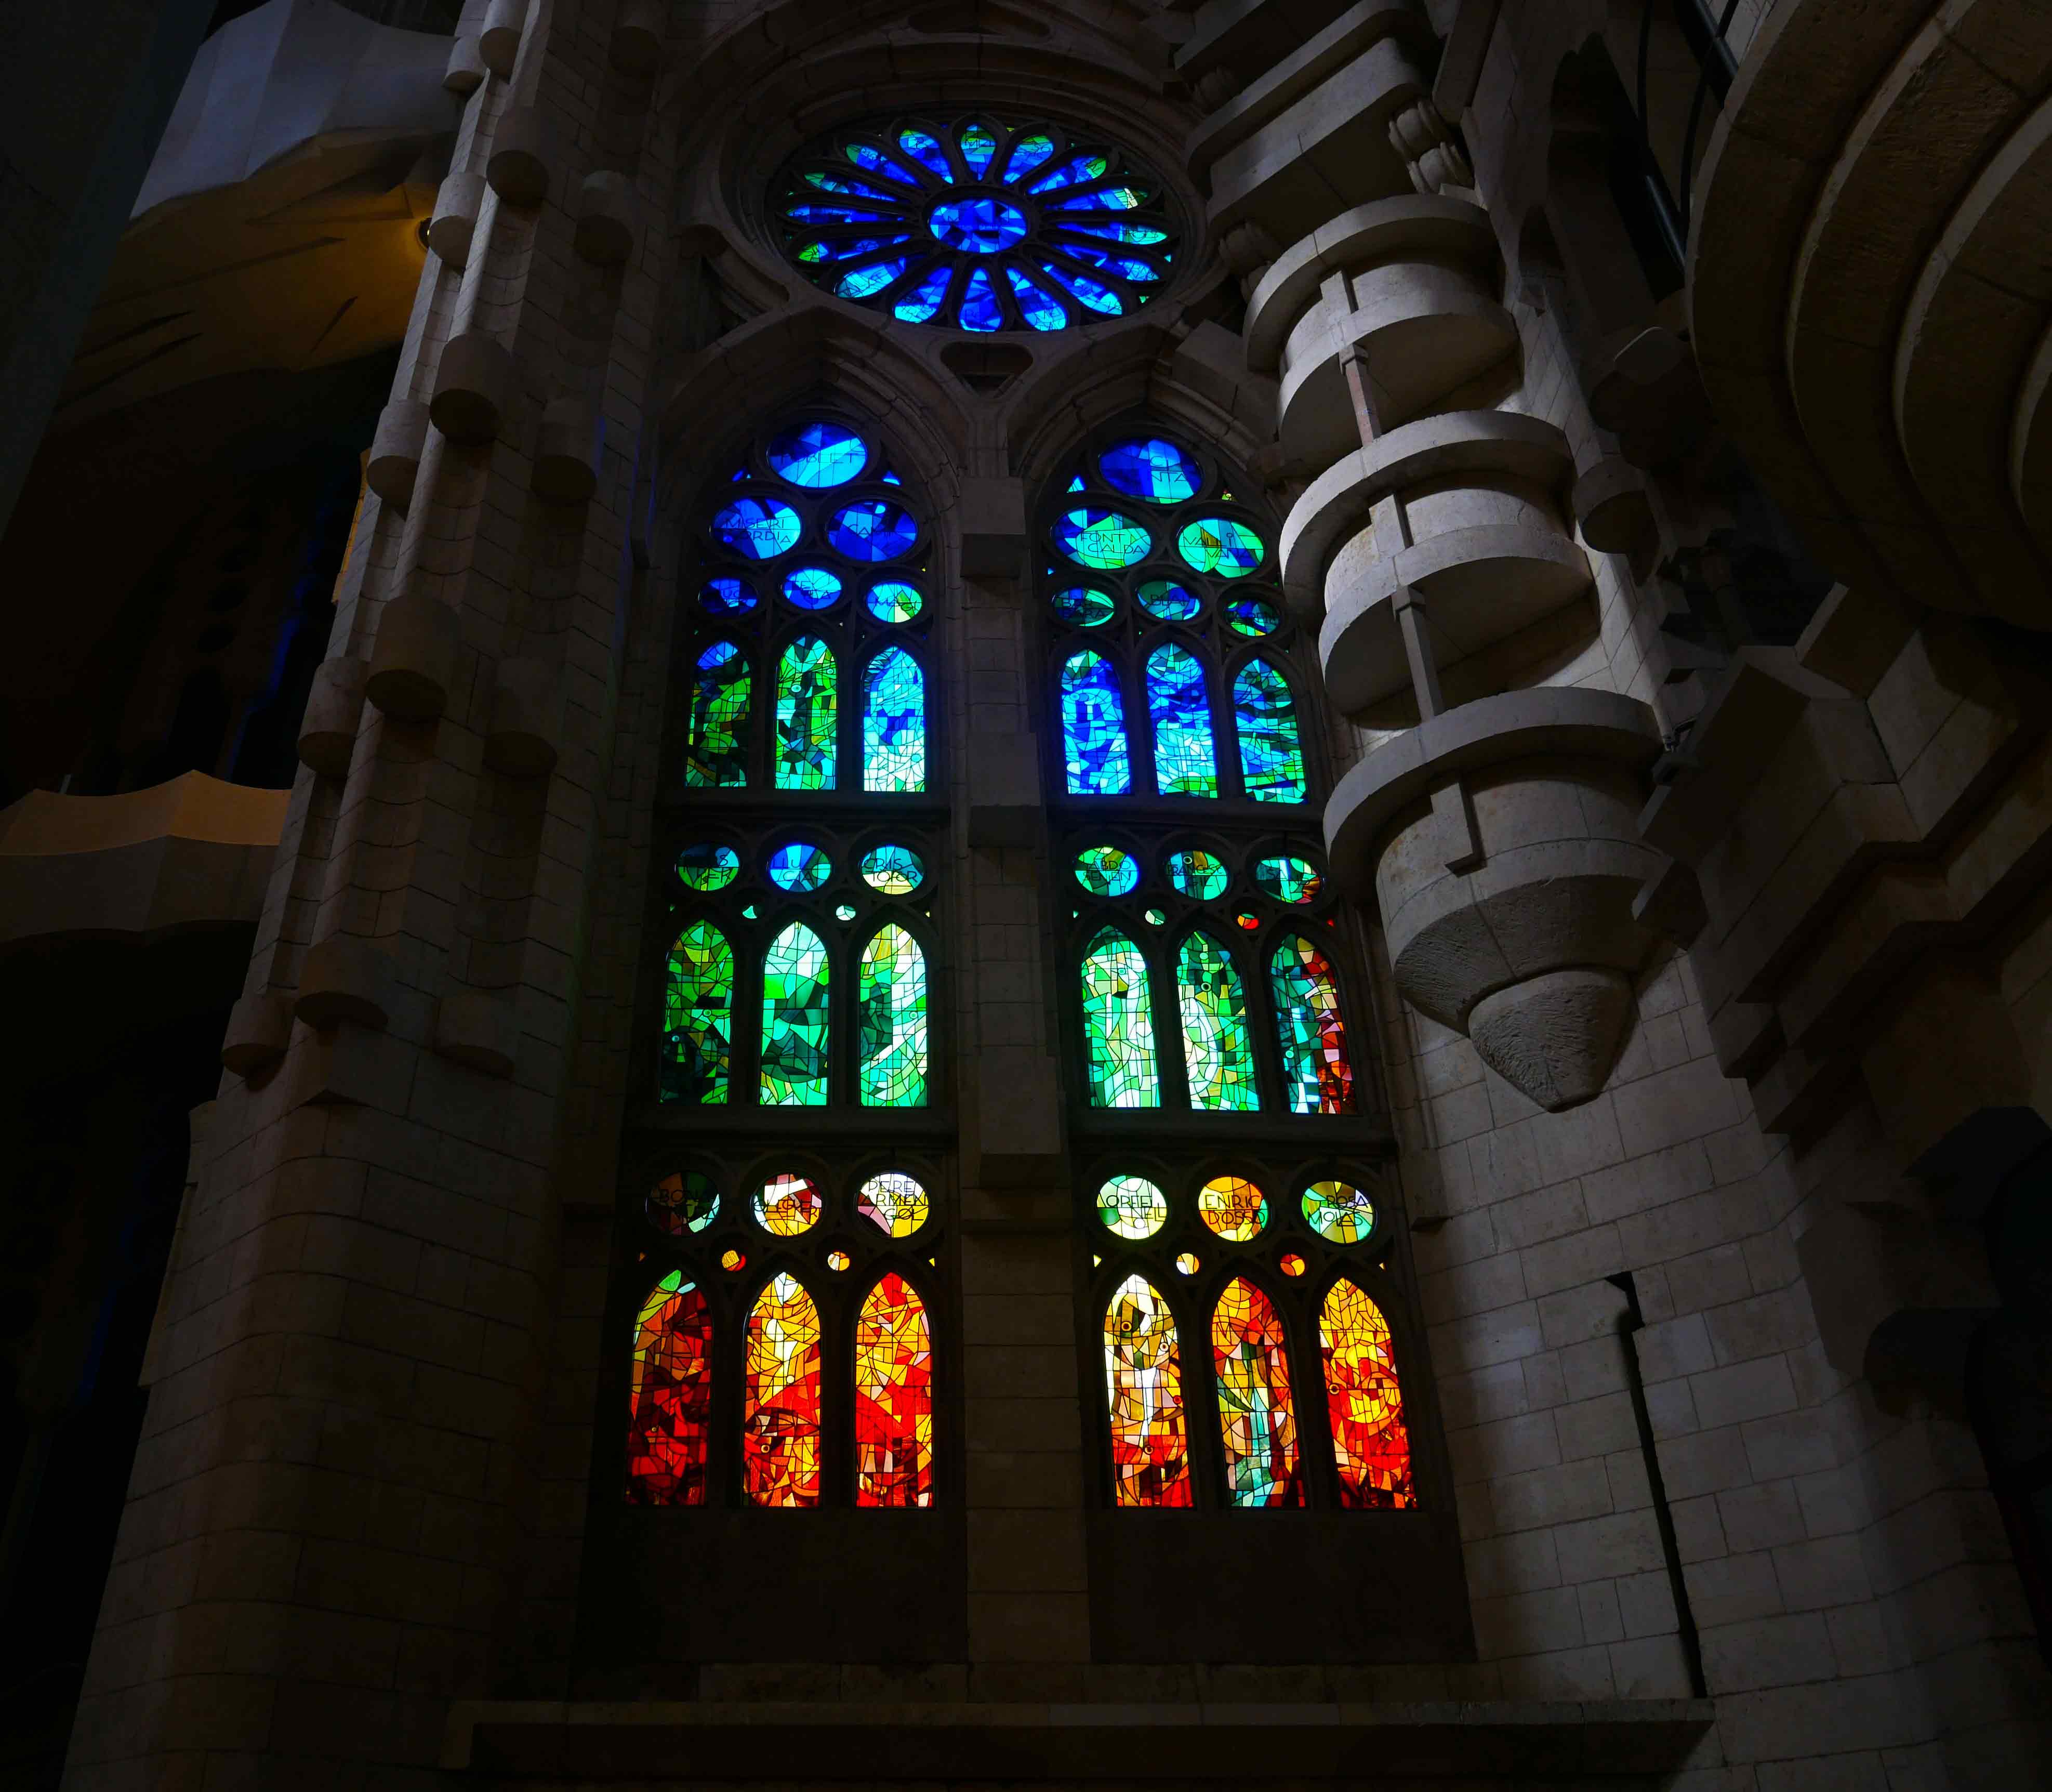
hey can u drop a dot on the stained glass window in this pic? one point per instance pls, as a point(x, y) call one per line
point(706, 867)
point(788, 1206)
point(1339, 1211)
point(812, 588)
point(1234, 1208)
point(818, 455)
point(716, 753)
point(796, 1019)
point(1103, 539)
point(1317, 1073)
point(894, 1203)
point(1251, 1361)
point(892, 1033)
point(895, 870)
point(1132, 1207)
point(698, 1018)
point(1118, 1023)
point(894, 1397)
point(780, 1454)
point(1143, 1373)
point(806, 708)
point(1271, 758)
point(758, 528)
point(893, 723)
point(801, 866)
point(669, 1428)
point(1106, 871)
point(1093, 727)
point(1153, 468)
point(1183, 762)
point(1370, 1445)
point(1199, 875)
point(1288, 878)
point(1051, 231)
point(1218, 1052)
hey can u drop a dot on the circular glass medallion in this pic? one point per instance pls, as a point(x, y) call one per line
point(1154, 917)
point(1085, 605)
point(893, 870)
point(1188, 1263)
point(1292, 1264)
point(800, 866)
point(684, 1201)
point(1158, 470)
point(726, 597)
point(1233, 1208)
point(1199, 874)
point(1253, 616)
point(757, 528)
point(812, 588)
point(1217, 544)
point(1251, 923)
point(732, 1261)
point(818, 456)
point(894, 1203)
point(703, 867)
point(838, 1260)
point(893, 602)
point(1338, 1212)
point(844, 912)
point(1288, 878)
point(977, 226)
point(1168, 600)
point(1107, 871)
point(1132, 1207)
point(871, 530)
point(1103, 539)
point(787, 1206)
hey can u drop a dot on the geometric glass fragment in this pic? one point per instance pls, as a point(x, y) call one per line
point(780, 1406)
point(1118, 1025)
point(892, 602)
point(1143, 1374)
point(1093, 727)
point(893, 723)
point(1339, 1212)
point(1251, 1362)
point(1271, 758)
point(1317, 1073)
point(894, 1397)
point(977, 226)
point(1234, 1208)
point(1218, 1050)
point(891, 1020)
point(1252, 616)
point(716, 748)
point(795, 1019)
point(669, 1427)
point(698, 1018)
point(1370, 1445)
point(807, 710)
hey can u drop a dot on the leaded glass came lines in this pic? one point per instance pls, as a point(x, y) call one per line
point(1093, 727)
point(893, 723)
point(780, 1452)
point(716, 753)
point(1143, 1374)
point(892, 1034)
point(807, 707)
point(1371, 1447)
point(698, 1018)
point(1118, 1025)
point(795, 1019)
point(1251, 1362)
point(894, 1397)
point(1184, 765)
point(1271, 757)
point(1217, 1051)
point(1317, 1073)
point(670, 1397)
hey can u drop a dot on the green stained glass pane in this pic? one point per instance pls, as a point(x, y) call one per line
point(698, 1018)
point(893, 1037)
point(1199, 874)
point(1217, 544)
point(1119, 1025)
point(1132, 1207)
point(1288, 878)
point(794, 1020)
point(892, 870)
point(1103, 539)
point(1170, 600)
point(1271, 760)
point(807, 707)
point(1339, 1211)
point(1085, 605)
point(707, 867)
point(1253, 616)
point(892, 602)
point(1184, 764)
point(716, 751)
point(1216, 1049)
point(1093, 727)
point(1318, 1071)
point(893, 723)
point(1106, 871)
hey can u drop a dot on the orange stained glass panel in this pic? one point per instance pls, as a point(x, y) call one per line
point(1143, 1373)
point(670, 1414)
point(1370, 1445)
point(1255, 1418)
point(781, 1417)
point(894, 1397)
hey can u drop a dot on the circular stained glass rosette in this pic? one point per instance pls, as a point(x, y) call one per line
point(701, 867)
point(979, 224)
point(1104, 540)
point(1107, 871)
point(786, 1205)
point(1169, 600)
point(873, 530)
point(733, 1261)
point(726, 597)
point(1152, 469)
point(1253, 616)
point(1233, 1208)
point(800, 867)
point(845, 911)
point(757, 528)
point(818, 456)
point(892, 602)
point(1085, 605)
point(892, 870)
point(838, 1260)
point(1338, 1212)
point(1219, 545)
point(1288, 878)
point(1291, 1263)
point(812, 588)
point(1198, 874)
point(1132, 1207)
point(1188, 1263)
point(894, 1203)
point(684, 1201)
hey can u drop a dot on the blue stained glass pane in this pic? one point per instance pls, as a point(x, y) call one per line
point(891, 477)
point(1044, 311)
point(1107, 871)
point(1184, 764)
point(1027, 155)
point(736, 475)
point(854, 248)
point(865, 281)
point(877, 163)
point(834, 184)
point(977, 226)
point(979, 306)
point(1253, 616)
point(726, 597)
point(819, 455)
point(812, 588)
point(1075, 483)
point(1151, 468)
point(1076, 169)
point(1124, 266)
point(1093, 728)
point(919, 305)
point(1098, 298)
point(977, 146)
point(1165, 598)
point(757, 528)
point(893, 602)
point(1103, 539)
point(1113, 230)
point(1110, 199)
point(1085, 605)
point(1271, 758)
point(837, 214)
point(926, 149)
point(893, 723)
point(801, 867)
point(873, 530)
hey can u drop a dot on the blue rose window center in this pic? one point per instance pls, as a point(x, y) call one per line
point(977, 226)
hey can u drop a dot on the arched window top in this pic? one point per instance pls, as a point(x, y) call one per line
point(797, 1020)
point(1143, 1373)
point(697, 1048)
point(1217, 1046)
point(782, 1396)
point(892, 1052)
point(669, 1426)
point(1250, 1359)
point(807, 756)
point(894, 722)
point(1094, 727)
point(1371, 1446)
point(894, 1396)
point(1119, 1024)
point(1318, 1065)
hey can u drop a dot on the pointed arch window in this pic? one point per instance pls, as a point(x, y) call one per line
point(698, 1018)
point(716, 746)
point(1119, 1024)
point(894, 1397)
point(1250, 1359)
point(1271, 754)
point(893, 1010)
point(670, 1429)
point(1093, 727)
point(808, 709)
point(1371, 1445)
point(780, 1418)
point(1184, 763)
point(1143, 1368)
point(893, 723)
point(797, 1020)
point(1318, 1071)
point(1218, 1050)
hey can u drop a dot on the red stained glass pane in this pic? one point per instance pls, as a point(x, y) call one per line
point(1143, 1373)
point(780, 1441)
point(1258, 1424)
point(670, 1415)
point(1369, 1442)
point(894, 1398)
point(1317, 1073)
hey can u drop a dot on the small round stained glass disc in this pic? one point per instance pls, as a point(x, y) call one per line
point(1107, 871)
point(977, 226)
point(684, 1201)
point(757, 528)
point(1292, 1264)
point(1253, 616)
point(891, 601)
point(1158, 470)
point(726, 597)
point(800, 866)
point(1132, 1207)
point(812, 588)
point(787, 1206)
point(1188, 1263)
point(892, 870)
point(838, 1260)
point(1199, 874)
point(1102, 538)
point(1085, 605)
point(1233, 1208)
point(702, 867)
point(1171, 602)
point(819, 456)
point(732, 1261)
point(1217, 544)
point(894, 1203)
point(1338, 1212)
point(1154, 917)
point(844, 912)
point(1288, 878)
point(873, 530)
point(1251, 923)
